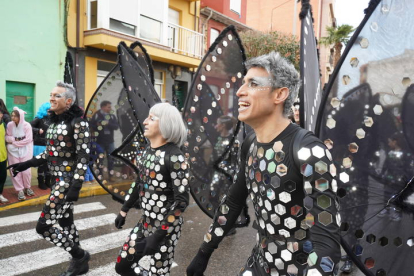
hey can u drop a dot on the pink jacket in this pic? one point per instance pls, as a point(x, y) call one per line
point(23, 147)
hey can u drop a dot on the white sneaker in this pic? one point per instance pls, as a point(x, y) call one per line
point(20, 195)
point(29, 192)
point(3, 199)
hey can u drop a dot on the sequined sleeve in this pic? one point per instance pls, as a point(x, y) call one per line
point(131, 197)
point(320, 202)
point(230, 207)
point(178, 169)
point(82, 138)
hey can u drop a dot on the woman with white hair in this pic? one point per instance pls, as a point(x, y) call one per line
point(161, 191)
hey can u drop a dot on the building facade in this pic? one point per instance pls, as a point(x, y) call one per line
point(166, 28)
point(283, 16)
point(215, 15)
point(32, 52)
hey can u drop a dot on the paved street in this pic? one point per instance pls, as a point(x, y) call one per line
point(23, 252)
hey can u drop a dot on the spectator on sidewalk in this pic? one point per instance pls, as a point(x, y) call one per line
point(3, 157)
point(88, 176)
point(40, 124)
point(19, 139)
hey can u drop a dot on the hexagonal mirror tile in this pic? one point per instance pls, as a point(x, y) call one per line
point(335, 102)
point(378, 109)
point(364, 43)
point(353, 147)
point(308, 187)
point(277, 146)
point(354, 62)
point(306, 170)
point(330, 123)
point(281, 170)
point(304, 153)
point(360, 133)
point(321, 167)
point(322, 184)
point(347, 162)
point(325, 218)
point(328, 143)
point(318, 151)
point(324, 201)
point(368, 121)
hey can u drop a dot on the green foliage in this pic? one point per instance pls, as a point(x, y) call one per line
point(258, 43)
point(336, 35)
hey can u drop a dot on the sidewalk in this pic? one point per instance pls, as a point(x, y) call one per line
point(40, 197)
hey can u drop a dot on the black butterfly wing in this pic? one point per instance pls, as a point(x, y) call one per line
point(213, 158)
point(361, 119)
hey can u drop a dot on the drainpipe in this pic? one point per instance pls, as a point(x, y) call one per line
point(195, 16)
point(77, 42)
point(205, 23)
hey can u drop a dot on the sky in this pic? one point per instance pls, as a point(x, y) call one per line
point(350, 12)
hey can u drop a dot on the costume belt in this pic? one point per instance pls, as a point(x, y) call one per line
point(19, 138)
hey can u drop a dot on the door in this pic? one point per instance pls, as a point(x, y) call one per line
point(20, 94)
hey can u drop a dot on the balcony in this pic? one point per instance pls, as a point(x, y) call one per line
point(185, 41)
point(108, 24)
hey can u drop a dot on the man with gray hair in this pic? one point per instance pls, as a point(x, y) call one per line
point(289, 174)
point(67, 156)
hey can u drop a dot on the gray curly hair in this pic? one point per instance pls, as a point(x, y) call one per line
point(282, 73)
point(70, 91)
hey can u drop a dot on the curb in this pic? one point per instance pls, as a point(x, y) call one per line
point(85, 192)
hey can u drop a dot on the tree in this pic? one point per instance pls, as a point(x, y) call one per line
point(258, 43)
point(337, 36)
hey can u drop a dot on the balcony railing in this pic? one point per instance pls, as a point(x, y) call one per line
point(185, 41)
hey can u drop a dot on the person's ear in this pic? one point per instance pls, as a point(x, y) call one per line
point(280, 95)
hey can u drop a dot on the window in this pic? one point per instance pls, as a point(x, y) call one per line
point(235, 5)
point(121, 27)
point(150, 29)
point(159, 82)
point(93, 14)
point(104, 68)
point(213, 35)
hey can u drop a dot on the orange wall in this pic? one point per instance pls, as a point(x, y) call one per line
point(223, 7)
point(278, 15)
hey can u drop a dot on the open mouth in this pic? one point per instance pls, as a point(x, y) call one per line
point(243, 105)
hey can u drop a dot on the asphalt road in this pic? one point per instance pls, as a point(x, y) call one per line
point(23, 253)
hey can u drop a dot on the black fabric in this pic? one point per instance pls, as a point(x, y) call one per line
point(199, 264)
point(37, 124)
point(67, 116)
point(74, 190)
point(153, 242)
point(3, 175)
point(19, 167)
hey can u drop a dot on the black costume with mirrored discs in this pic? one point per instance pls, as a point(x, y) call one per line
point(162, 193)
point(294, 202)
point(67, 156)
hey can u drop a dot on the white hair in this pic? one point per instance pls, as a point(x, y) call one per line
point(171, 124)
point(70, 91)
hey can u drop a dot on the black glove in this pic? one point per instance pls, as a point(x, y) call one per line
point(119, 221)
point(73, 193)
point(198, 264)
point(153, 242)
point(18, 167)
